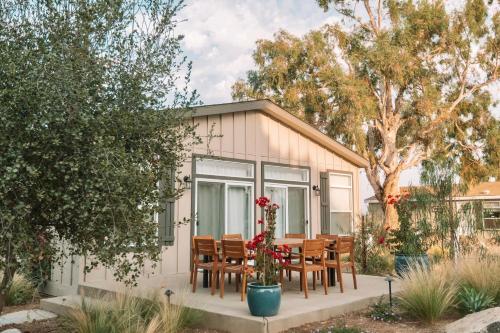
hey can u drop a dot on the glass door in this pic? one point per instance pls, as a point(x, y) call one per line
point(297, 210)
point(277, 194)
point(210, 208)
point(239, 210)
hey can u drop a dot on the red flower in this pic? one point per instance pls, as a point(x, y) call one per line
point(260, 221)
point(276, 206)
point(381, 240)
point(262, 201)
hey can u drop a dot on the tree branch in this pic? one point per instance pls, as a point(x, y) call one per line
point(370, 15)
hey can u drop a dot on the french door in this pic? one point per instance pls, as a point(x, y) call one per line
point(293, 215)
point(224, 207)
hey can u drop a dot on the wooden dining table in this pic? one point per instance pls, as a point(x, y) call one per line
point(294, 243)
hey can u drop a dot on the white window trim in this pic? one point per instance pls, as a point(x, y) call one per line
point(286, 186)
point(227, 183)
point(343, 187)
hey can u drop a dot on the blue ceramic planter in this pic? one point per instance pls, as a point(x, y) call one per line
point(403, 262)
point(263, 301)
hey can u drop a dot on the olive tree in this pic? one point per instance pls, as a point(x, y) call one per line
point(93, 102)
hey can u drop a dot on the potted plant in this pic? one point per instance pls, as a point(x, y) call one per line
point(411, 240)
point(264, 295)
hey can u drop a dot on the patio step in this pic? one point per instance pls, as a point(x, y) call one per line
point(62, 304)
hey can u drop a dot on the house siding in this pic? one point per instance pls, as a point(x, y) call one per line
point(254, 136)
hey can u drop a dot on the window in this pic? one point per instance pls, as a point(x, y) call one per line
point(224, 197)
point(491, 214)
point(289, 188)
point(224, 168)
point(341, 216)
point(286, 173)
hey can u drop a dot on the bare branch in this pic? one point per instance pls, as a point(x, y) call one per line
point(370, 15)
point(379, 14)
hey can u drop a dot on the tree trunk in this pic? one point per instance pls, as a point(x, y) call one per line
point(8, 276)
point(390, 187)
point(9, 270)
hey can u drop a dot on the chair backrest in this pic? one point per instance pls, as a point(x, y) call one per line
point(232, 236)
point(345, 245)
point(332, 238)
point(234, 248)
point(205, 247)
point(313, 247)
point(300, 236)
point(200, 237)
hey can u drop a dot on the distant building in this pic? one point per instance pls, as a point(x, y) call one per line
point(486, 192)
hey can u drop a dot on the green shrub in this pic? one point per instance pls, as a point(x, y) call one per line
point(128, 314)
point(20, 292)
point(470, 300)
point(427, 294)
point(382, 311)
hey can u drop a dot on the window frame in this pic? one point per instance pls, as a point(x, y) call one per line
point(351, 176)
point(494, 208)
point(222, 179)
point(286, 183)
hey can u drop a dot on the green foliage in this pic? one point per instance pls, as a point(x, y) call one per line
point(427, 294)
point(470, 300)
point(382, 311)
point(412, 235)
point(20, 292)
point(396, 82)
point(129, 314)
point(91, 120)
point(372, 254)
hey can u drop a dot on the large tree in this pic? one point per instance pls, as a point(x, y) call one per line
point(397, 81)
point(92, 119)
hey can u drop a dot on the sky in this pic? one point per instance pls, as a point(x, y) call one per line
point(220, 37)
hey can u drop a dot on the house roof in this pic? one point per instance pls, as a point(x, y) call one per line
point(480, 191)
point(275, 111)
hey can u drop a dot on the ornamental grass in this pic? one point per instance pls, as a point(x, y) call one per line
point(428, 293)
point(124, 313)
point(480, 275)
point(21, 291)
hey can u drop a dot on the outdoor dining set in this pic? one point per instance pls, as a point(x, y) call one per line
point(325, 257)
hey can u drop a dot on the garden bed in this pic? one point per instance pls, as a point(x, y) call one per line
point(364, 323)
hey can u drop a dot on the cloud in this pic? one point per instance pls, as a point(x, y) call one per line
point(220, 37)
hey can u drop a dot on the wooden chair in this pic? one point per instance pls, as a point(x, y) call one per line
point(344, 245)
point(234, 249)
point(314, 248)
point(293, 255)
point(193, 253)
point(231, 236)
point(332, 238)
point(206, 247)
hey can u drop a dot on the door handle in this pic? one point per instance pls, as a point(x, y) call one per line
point(307, 221)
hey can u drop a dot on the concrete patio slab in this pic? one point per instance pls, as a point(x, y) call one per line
point(25, 316)
point(231, 315)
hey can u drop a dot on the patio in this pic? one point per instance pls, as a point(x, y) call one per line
point(231, 315)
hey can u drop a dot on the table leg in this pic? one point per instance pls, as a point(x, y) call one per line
point(205, 274)
point(331, 271)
